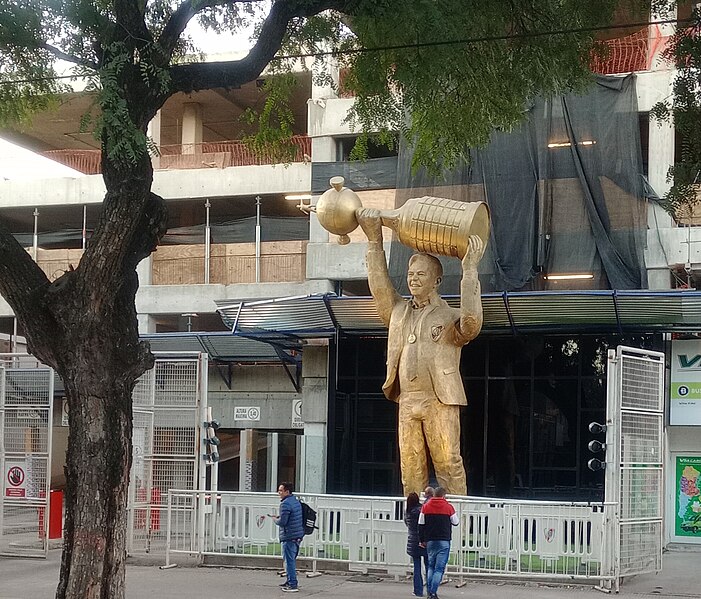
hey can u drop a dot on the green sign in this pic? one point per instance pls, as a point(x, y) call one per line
point(687, 518)
point(685, 383)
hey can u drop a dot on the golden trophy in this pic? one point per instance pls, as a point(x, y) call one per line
point(427, 224)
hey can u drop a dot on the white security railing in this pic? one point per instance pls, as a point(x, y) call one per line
point(497, 538)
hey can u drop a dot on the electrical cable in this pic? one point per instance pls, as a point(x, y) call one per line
point(464, 41)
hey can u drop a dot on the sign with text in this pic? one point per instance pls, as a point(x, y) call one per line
point(15, 478)
point(297, 421)
point(685, 382)
point(247, 413)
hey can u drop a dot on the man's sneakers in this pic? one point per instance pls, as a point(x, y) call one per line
point(286, 588)
point(285, 584)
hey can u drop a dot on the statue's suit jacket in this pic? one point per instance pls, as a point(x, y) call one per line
point(442, 333)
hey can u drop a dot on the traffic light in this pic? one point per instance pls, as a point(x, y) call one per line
point(596, 446)
point(212, 442)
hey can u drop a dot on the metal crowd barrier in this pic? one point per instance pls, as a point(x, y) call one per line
point(495, 538)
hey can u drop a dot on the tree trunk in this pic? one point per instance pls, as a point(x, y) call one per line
point(99, 359)
point(97, 480)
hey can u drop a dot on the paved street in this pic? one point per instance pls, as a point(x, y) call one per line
point(36, 579)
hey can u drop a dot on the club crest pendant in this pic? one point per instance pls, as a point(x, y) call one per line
point(411, 338)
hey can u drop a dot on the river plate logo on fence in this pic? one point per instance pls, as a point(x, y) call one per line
point(688, 520)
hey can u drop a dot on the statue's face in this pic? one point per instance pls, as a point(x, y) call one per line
point(422, 278)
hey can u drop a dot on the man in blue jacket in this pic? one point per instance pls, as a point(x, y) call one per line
point(291, 533)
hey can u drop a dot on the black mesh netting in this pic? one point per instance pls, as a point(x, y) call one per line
point(565, 191)
point(243, 230)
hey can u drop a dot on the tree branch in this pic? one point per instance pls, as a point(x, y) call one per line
point(198, 76)
point(24, 285)
point(69, 57)
point(131, 23)
point(182, 16)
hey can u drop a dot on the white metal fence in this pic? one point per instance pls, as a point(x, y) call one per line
point(528, 539)
point(168, 409)
point(634, 458)
point(26, 401)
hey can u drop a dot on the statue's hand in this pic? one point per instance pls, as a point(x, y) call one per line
point(475, 251)
point(371, 223)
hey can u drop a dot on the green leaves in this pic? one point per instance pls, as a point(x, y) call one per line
point(442, 73)
point(448, 73)
point(273, 124)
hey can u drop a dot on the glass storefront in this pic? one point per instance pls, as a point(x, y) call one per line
point(269, 459)
point(524, 432)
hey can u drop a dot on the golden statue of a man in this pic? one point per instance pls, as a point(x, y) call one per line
point(423, 357)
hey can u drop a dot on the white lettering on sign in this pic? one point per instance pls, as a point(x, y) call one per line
point(28, 415)
point(15, 479)
point(297, 421)
point(247, 413)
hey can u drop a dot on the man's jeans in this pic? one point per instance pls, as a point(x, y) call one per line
point(438, 553)
point(290, 549)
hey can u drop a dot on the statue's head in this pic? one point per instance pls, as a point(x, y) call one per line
point(424, 275)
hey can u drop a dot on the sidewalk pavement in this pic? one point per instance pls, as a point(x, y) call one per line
point(37, 579)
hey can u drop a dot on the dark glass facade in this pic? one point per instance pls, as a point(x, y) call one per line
point(524, 432)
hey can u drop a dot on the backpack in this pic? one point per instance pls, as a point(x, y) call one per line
point(308, 519)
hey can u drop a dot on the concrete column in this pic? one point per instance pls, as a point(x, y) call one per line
point(660, 158)
point(246, 460)
point(154, 132)
point(192, 127)
point(323, 150)
point(315, 398)
point(144, 271)
point(323, 87)
point(659, 278)
point(147, 324)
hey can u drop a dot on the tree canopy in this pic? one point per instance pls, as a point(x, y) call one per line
point(683, 107)
point(443, 73)
point(460, 69)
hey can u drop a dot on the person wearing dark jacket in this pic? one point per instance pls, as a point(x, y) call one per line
point(291, 526)
point(436, 520)
point(417, 553)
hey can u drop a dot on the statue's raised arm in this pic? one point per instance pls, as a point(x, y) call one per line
point(381, 287)
point(471, 291)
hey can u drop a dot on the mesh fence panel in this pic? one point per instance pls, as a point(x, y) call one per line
point(26, 399)
point(640, 468)
point(176, 383)
point(641, 492)
point(166, 452)
point(641, 438)
point(641, 384)
point(640, 547)
point(143, 390)
point(27, 386)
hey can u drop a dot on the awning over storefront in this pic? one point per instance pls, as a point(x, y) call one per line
point(545, 311)
point(225, 347)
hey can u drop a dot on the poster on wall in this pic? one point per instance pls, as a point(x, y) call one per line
point(687, 516)
point(685, 392)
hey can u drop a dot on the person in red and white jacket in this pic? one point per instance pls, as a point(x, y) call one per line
point(436, 522)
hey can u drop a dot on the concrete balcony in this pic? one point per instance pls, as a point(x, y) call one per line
point(221, 154)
